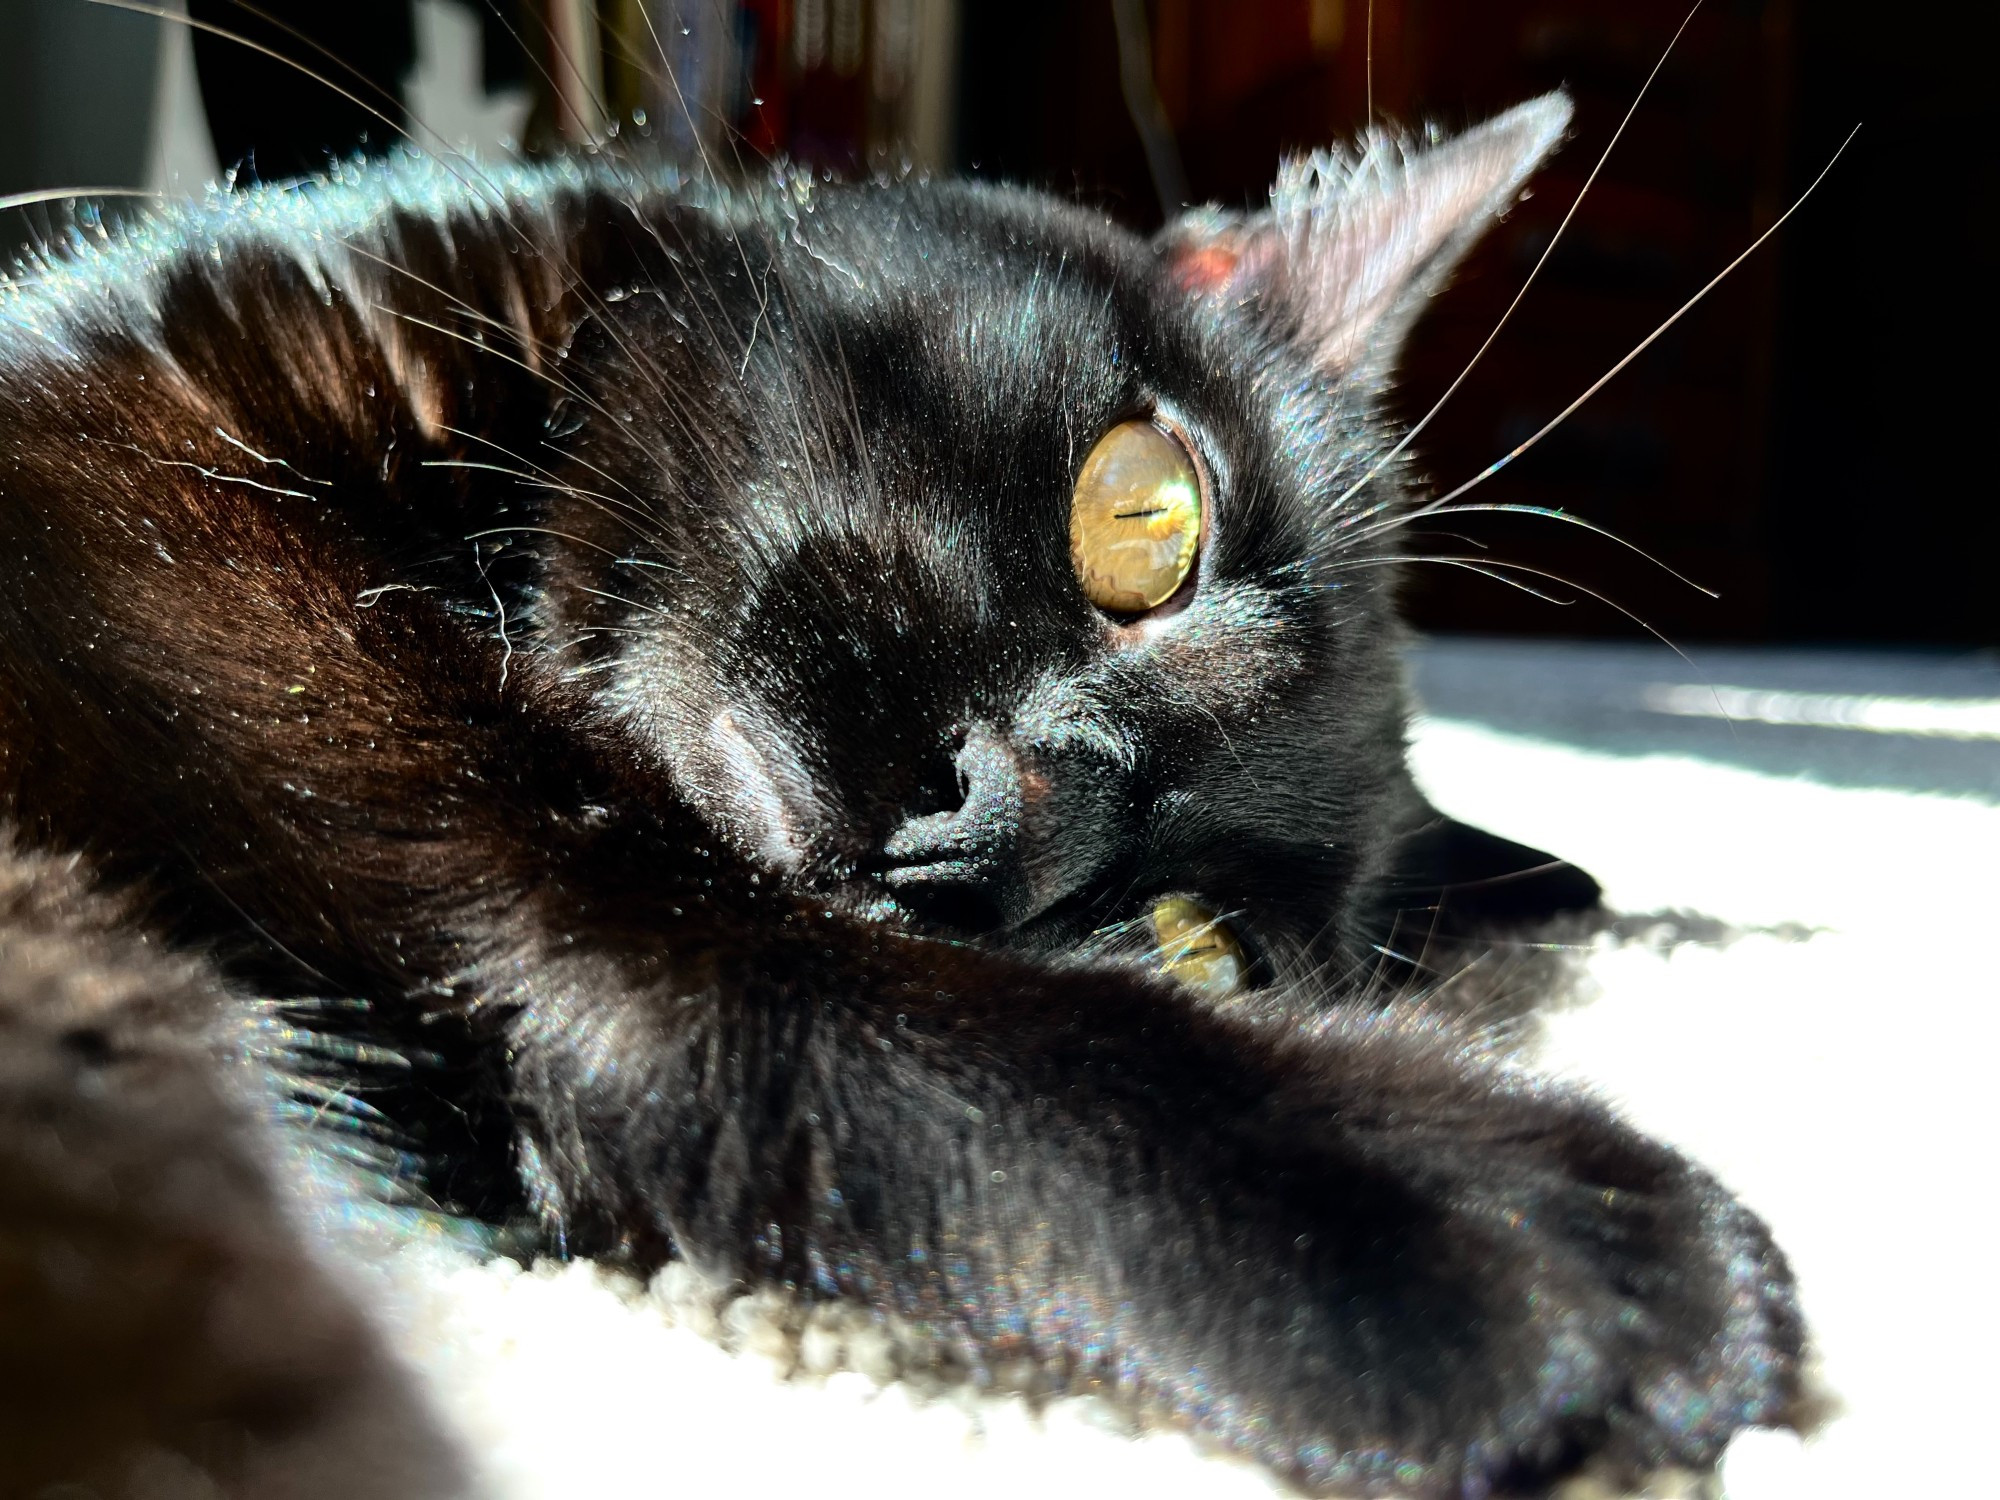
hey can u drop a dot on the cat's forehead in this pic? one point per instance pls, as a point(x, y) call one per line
point(972, 327)
point(946, 355)
point(1003, 240)
point(1026, 290)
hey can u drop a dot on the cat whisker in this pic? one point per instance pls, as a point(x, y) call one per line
point(596, 100)
point(1368, 62)
point(1422, 965)
point(811, 401)
point(763, 301)
point(208, 472)
point(532, 480)
point(680, 97)
point(1339, 973)
point(1535, 271)
point(174, 17)
point(536, 481)
point(572, 282)
point(647, 367)
point(1497, 569)
point(56, 195)
point(1193, 702)
point(1486, 567)
point(458, 303)
point(581, 541)
point(700, 305)
point(651, 609)
point(796, 401)
point(590, 630)
point(599, 311)
point(595, 307)
point(844, 394)
point(475, 343)
point(1450, 536)
point(636, 505)
point(267, 460)
point(492, 193)
point(708, 166)
point(385, 95)
point(731, 134)
point(500, 615)
point(629, 514)
point(779, 370)
point(610, 508)
point(1128, 938)
point(447, 160)
point(1644, 344)
point(582, 672)
point(1549, 513)
point(617, 559)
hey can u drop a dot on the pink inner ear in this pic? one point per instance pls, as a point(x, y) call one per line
point(1205, 267)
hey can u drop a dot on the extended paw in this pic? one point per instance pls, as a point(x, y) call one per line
point(1500, 1286)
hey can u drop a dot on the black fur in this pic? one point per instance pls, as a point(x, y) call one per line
point(532, 605)
point(162, 1320)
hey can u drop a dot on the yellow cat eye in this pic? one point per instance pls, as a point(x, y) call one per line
point(1197, 949)
point(1135, 518)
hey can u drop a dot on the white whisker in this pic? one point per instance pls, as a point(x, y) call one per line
point(1535, 271)
point(1644, 344)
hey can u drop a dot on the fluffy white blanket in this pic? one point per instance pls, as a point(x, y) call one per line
point(1832, 1062)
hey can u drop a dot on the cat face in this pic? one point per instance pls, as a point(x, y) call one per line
point(883, 642)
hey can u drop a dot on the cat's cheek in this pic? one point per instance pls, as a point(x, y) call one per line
point(1226, 654)
point(754, 792)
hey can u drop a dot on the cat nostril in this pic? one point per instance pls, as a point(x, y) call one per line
point(1002, 852)
point(942, 785)
point(932, 795)
point(971, 831)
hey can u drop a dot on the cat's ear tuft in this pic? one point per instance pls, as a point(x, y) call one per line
point(1352, 244)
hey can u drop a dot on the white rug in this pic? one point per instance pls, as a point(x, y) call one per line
point(1839, 1081)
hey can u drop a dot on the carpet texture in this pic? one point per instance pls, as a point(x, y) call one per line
point(1829, 1056)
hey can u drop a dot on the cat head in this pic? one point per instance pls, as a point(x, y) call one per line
point(994, 569)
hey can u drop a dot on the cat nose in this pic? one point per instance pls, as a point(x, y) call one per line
point(962, 864)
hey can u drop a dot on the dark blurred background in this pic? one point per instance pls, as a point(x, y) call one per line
point(1804, 442)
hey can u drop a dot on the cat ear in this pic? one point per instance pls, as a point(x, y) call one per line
point(1351, 246)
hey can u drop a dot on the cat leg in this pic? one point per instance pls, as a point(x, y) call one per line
point(1367, 1255)
point(164, 1330)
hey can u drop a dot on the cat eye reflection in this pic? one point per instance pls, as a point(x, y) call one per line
point(1135, 518)
point(1198, 949)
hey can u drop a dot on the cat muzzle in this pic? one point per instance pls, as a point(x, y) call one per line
point(1019, 840)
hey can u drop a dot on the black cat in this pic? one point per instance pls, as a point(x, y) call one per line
point(847, 734)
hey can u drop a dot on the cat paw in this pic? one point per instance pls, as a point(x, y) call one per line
point(1486, 1295)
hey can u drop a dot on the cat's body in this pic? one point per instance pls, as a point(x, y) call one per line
point(629, 635)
